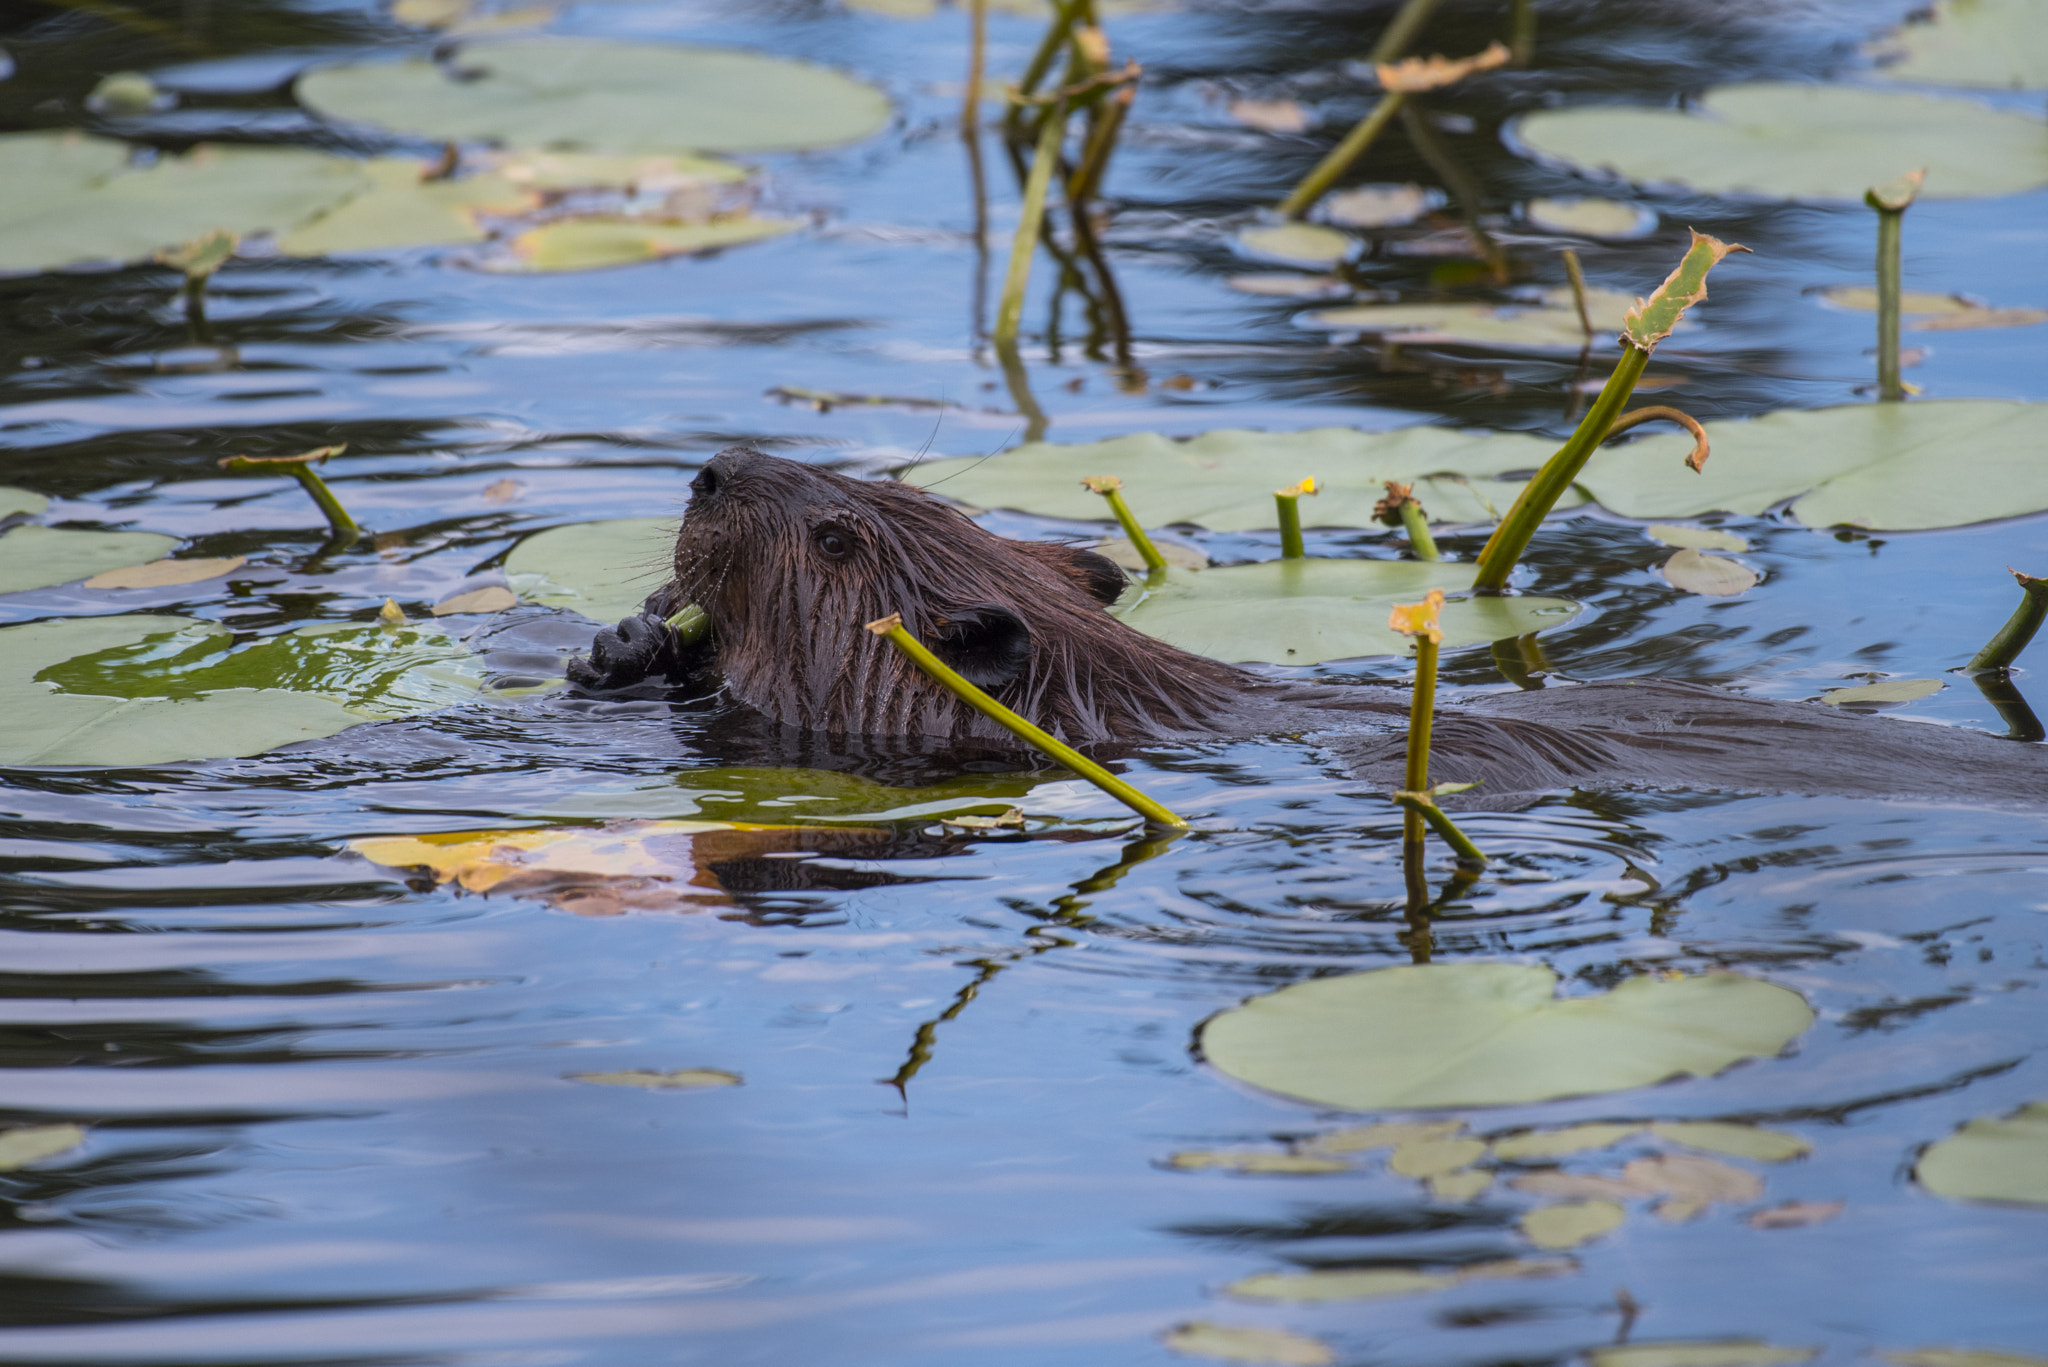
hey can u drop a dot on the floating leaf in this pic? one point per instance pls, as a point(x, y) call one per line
point(1468, 1185)
point(1434, 1157)
point(1995, 44)
point(1386, 1135)
point(1710, 576)
point(604, 95)
point(1652, 319)
point(126, 93)
point(1571, 1224)
point(491, 598)
point(1338, 1284)
point(1248, 1343)
point(603, 570)
point(1723, 1353)
point(1270, 116)
point(1289, 285)
point(647, 173)
point(1962, 1357)
point(1691, 1183)
point(403, 211)
point(1303, 244)
point(1695, 538)
point(1538, 1144)
point(1973, 319)
point(1585, 216)
point(14, 501)
point(1255, 1161)
point(38, 557)
point(1800, 142)
point(1492, 1034)
point(203, 256)
point(160, 574)
point(585, 244)
point(1890, 691)
point(1795, 1215)
point(1743, 1141)
point(1306, 611)
point(1578, 1186)
point(1863, 299)
point(27, 1144)
point(678, 1080)
point(1552, 325)
point(1992, 1159)
point(74, 199)
point(1380, 206)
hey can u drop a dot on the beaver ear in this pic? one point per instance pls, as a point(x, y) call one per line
point(987, 644)
point(1095, 575)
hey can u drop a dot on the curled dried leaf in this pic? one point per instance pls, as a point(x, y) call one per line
point(1388, 509)
point(1652, 319)
point(1415, 75)
point(1419, 619)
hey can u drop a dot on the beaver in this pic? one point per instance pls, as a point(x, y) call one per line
point(789, 561)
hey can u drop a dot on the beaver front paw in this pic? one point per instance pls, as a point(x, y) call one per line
point(623, 655)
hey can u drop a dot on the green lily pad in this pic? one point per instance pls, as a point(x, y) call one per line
point(583, 244)
point(1863, 299)
point(1298, 244)
point(1710, 576)
point(27, 1144)
point(1801, 142)
point(603, 95)
point(1224, 480)
point(1248, 1343)
point(1962, 1357)
point(1552, 325)
point(38, 557)
point(1997, 44)
point(1264, 1161)
point(1743, 1141)
point(74, 199)
point(14, 501)
point(594, 170)
point(2002, 1159)
point(1381, 206)
point(1492, 1034)
point(603, 570)
point(1571, 1223)
point(1588, 216)
point(1710, 1353)
point(1541, 1144)
point(1302, 612)
point(401, 211)
point(1339, 1284)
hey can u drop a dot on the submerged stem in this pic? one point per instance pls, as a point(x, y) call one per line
point(891, 628)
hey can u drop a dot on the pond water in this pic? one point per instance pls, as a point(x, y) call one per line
point(337, 1114)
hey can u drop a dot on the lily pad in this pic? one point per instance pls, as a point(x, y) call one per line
point(1254, 1161)
point(2001, 1159)
point(1710, 576)
point(1492, 1034)
point(1339, 1284)
point(1224, 480)
point(1300, 244)
point(403, 211)
point(603, 95)
point(582, 244)
point(1588, 216)
point(1571, 1223)
point(14, 501)
point(1891, 690)
point(1962, 1357)
point(1551, 325)
point(160, 574)
point(1249, 1343)
point(592, 170)
point(1270, 116)
point(1996, 44)
point(1815, 142)
point(676, 1080)
point(603, 570)
point(27, 1144)
point(74, 199)
point(1306, 611)
point(1743, 1141)
point(1541, 1144)
point(1381, 206)
point(1695, 538)
point(38, 557)
point(1290, 285)
point(1719, 1353)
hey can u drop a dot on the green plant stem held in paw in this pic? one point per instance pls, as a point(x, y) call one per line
point(891, 629)
point(300, 468)
point(1111, 488)
point(1891, 201)
point(690, 624)
point(2012, 638)
point(1030, 221)
point(1287, 502)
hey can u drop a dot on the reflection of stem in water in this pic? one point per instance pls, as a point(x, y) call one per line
point(1418, 937)
point(978, 182)
point(1461, 184)
point(1020, 391)
point(1522, 31)
point(1521, 661)
point(195, 311)
point(1578, 279)
point(1067, 910)
point(2002, 693)
point(977, 47)
point(1030, 218)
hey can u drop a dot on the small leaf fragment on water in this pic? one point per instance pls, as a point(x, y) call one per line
point(1691, 1353)
point(1743, 1141)
point(1694, 538)
point(1891, 690)
point(1571, 1224)
point(1270, 116)
point(1962, 1357)
point(1338, 1284)
point(1709, 576)
point(1253, 1161)
point(1011, 820)
point(1965, 320)
point(1613, 219)
point(1467, 1184)
point(1992, 1159)
point(1306, 244)
point(1795, 1215)
point(503, 491)
point(125, 93)
point(158, 574)
point(1386, 1135)
point(1652, 319)
point(1289, 285)
point(678, 1080)
point(1578, 1186)
point(27, 1144)
point(1433, 1157)
point(490, 598)
point(391, 615)
point(1380, 206)
point(1558, 1143)
point(1248, 1343)
point(1419, 75)
point(1691, 1184)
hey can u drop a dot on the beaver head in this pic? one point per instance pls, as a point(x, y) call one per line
point(790, 562)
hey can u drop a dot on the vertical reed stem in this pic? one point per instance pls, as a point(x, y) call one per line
point(1419, 539)
point(1522, 31)
point(1421, 716)
point(1030, 220)
point(1889, 221)
point(1338, 160)
point(977, 51)
point(1578, 279)
point(1395, 38)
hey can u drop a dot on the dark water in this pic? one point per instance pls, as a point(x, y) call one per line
point(332, 1118)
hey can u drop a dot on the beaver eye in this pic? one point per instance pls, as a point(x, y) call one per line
point(833, 544)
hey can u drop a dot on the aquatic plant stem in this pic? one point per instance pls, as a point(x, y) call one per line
point(1522, 31)
point(1421, 720)
point(1338, 160)
point(2012, 638)
point(1111, 489)
point(977, 55)
point(1890, 200)
point(891, 629)
point(1401, 30)
point(690, 624)
point(1287, 502)
point(1030, 220)
point(1464, 187)
point(1440, 822)
point(300, 468)
point(1081, 186)
point(1578, 279)
point(1417, 526)
point(1541, 494)
point(1056, 33)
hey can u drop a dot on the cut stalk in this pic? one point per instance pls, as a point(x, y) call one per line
point(2012, 638)
point(300, 468)
point(1578, 279)
point(1417, 800)
point(1891, 201)
point(1288, 503)
point(891, 629)
point(1338, 160)
point(690, 624)
point(1030, 221)
point(1111, 488)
